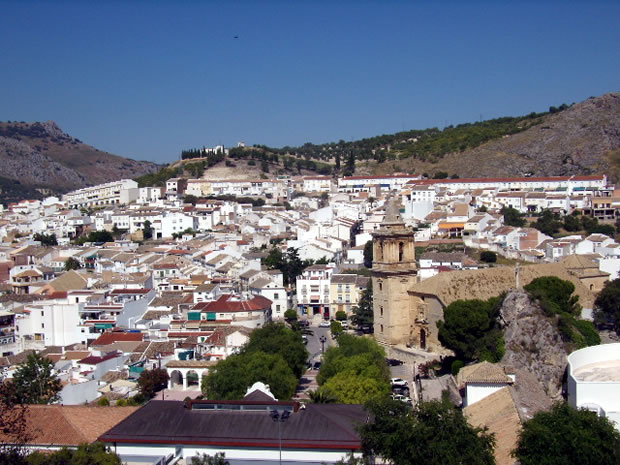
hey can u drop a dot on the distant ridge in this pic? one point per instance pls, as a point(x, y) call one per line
point(38, 159)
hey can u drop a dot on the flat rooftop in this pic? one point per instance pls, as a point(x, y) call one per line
point(608, 370)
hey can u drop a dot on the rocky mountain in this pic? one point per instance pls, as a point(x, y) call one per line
point(533, 343)
point(38, 159)
point(581, 139)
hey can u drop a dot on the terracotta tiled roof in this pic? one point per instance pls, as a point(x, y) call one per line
point(483, 372)
point(109, 338)
point(72, 425)
point(225, 305)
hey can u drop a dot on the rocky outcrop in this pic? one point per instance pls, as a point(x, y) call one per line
point(533, 343)
point(42, 156)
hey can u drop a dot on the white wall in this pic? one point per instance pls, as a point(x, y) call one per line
point(475, 392)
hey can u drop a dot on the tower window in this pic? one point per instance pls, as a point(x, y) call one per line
point(380, 286)
point(381, 328)
point(381, 310)
point(401, 251)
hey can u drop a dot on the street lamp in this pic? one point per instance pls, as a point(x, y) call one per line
point(322, 340)
point(280, 418)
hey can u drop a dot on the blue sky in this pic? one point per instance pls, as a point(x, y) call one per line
point(145, 79)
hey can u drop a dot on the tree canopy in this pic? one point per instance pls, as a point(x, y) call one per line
point(276, 338)
point(151, 381)
point(470, 328)
point(91, 454)
point(607, 306)
point(556, 299)
point(72, 264)
point(34, 381)
point(566, 435)
point(512, 217)
point(231, 377)
point(435, 433)
point(355, 371)
point(363, 314)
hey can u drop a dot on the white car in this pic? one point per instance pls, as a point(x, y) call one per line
point(399, 382)
point(324, 324)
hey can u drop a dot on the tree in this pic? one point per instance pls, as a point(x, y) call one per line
point(350, 388)
point(147, 232)
point(572, 223)
point(231, 377)
point(217, 459)
point(341, 315)
point(363, 314)
point(13, 425)
point(566, 435)
point(435, 433)
point(276, 338)
point(290, 315)
point(321, 396)
point(92, 454)
point(355, 356)
point(607, 306)
point(45, 239)
point(488, 256)
point(151, 381)
point(34, 381)
point(336, 328)
point(72, 264)
point(555, 295)
point(512, 217)
point(548, 223)
point(368, 251)
point(471, 330)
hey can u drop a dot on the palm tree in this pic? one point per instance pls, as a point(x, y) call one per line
point(321, 396)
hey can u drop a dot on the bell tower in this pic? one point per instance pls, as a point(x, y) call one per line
point(394, 271)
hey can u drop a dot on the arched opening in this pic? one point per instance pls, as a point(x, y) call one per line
point(176, 379)
point(193, 380)
point(422, 339)
point(401, 251)
point(591, 287)
point(380, 257)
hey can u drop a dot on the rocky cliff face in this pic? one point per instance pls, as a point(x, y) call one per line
point(533, 344)
point(41, 157)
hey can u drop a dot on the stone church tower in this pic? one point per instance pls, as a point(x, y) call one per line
point(394, 271)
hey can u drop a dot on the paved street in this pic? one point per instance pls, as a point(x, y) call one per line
point(308, 380)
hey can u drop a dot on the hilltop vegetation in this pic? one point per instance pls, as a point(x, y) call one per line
point(580, 138)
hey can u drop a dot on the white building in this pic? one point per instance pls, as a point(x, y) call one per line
point(366, 183)
point(313, 290)
point(594, 380)
point(111, 193)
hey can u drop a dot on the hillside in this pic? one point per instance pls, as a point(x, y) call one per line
point(582, 139)
point(39, 158)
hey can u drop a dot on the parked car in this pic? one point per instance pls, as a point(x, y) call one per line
point(304, 338)
point(399, 382)
point(316, 366)
point(393, 362)
point(324, 324)
point(344, 324)
point(304, 323)
point(400, 390)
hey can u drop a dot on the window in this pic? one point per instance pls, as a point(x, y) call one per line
point(401, 251)
point(42, 325)
point(277, 308)
point(381, 328)
point(380, 286)
point(381, 310)
point(275, 295)
point(42, 313)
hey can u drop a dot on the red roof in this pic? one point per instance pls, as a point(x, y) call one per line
point(224, 304)
point(395, 176)
point(93, 360)
point(130, 291)
point(111, 337)
point(164, 266)
point(516, 179)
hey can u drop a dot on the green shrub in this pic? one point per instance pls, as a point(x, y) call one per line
point(103, 402)
point(456, 366)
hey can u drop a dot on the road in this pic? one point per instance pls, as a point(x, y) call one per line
point(308, 379)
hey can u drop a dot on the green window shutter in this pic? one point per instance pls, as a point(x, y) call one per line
point(210, 316)
point(193, 316)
